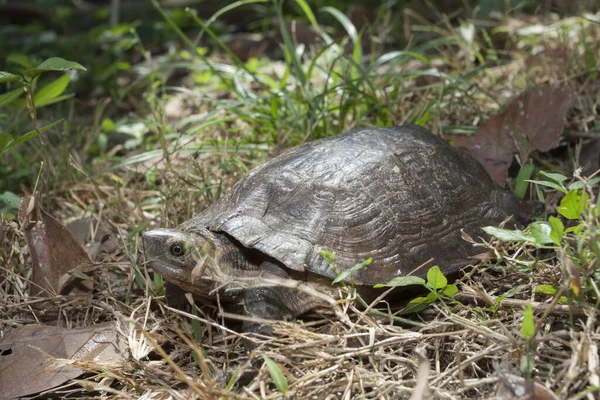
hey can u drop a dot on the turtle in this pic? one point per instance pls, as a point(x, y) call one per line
point(397, 196)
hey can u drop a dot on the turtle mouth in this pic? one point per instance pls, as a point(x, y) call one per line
point(164, 269)
point(179, 277)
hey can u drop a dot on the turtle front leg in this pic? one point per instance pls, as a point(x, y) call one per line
point(267, 300)
point(265, 304)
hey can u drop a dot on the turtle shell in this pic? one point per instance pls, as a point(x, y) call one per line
point(400, 195)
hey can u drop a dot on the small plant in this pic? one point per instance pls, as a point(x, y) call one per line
point(572, 235)
point(528, 332)
point(436, 283)
point(49, 94)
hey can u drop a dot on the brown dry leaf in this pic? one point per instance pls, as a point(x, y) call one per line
point(573, 276)
point(300, 33)
point(534, 120)
point(549, 61)
point(95, 237)
point(250, 45)
point(589, 156)
point(514, 387)
point(55, 253)
point(361, 16)
point(28, 353)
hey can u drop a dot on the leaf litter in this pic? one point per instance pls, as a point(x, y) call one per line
point(36, 358)
point(58, 261)
point(532, 121)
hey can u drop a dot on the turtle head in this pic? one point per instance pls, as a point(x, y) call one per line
point(183, 258)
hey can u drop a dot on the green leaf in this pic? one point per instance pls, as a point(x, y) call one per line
point(31, 134)
point(450, 290)
point(328, 256)
point(140, 158)
point(344, 21)
point(344, 274)
point(233, 378)
point(573, 204)
point(528, 326)
point(9, 97)
point(55, 100)
point(137, 230)
point(289, 48)
point(590, 59)
point(52, 90)
point(11, 199)
point(197, 331)
point(522, 183)
point(53, 64)
point(436, 278)
point(5, 139)
point(423, 119)
point(515, 290)
point(159, 284)
point(549, 184)
point(357, 56)
point(225, 9)
point(508, 235)
point(309, 14)
point(558, 229)
point(19, 59)
point(588, 183)
point(541, 232)
point(108, 125)
point(575, 229)
point(419, 303)
point(277, 375)
point(402, 281)
point(546, 289)
point(8, 77)
point(80, 274)
point(560, 178)
point(595, 247)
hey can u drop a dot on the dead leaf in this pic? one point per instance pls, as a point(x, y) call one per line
point(95, 237)
point(55, 255)
point(514, 387)
point(250, 45)
point(300, 33)
point(534, 120)
point(589, 156)
point(28, 356)
point(486, 256)
point(549, 61)
point(573, 276)
point(361, 16)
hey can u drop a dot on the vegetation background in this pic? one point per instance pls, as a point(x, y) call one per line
point(135, 114)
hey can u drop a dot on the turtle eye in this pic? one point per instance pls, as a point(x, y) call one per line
point(177, 249)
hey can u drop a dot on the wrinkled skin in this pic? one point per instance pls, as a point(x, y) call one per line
point(399, 195)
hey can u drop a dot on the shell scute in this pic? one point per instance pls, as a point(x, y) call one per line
point(400, 195)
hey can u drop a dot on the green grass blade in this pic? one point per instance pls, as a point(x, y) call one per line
point(522, 180)
point(344, 21)
point(226, 9)
point(277, 375)
point(289, 48)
